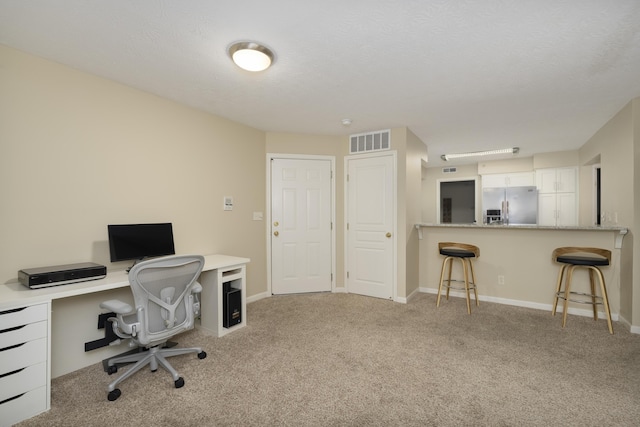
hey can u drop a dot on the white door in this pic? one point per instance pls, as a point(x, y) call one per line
point(370, 217)
point(300, 226)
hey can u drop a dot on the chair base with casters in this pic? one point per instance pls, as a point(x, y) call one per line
point(153, 357)
point(465, 253)
point(165, 294)
point(573, 258)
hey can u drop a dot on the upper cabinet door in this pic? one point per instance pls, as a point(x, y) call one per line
point(561, 180)
point(546, 180)
point(566, 178)
point(518, 179)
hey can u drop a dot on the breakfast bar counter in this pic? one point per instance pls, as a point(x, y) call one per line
point(620, 232)
point(515, 265)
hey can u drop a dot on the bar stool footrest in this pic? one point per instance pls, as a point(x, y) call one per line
point(598, 299)
point(458, 288)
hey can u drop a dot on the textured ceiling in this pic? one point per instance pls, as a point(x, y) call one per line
point(462, 75)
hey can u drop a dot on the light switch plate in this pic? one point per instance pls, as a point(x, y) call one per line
point(228, 203)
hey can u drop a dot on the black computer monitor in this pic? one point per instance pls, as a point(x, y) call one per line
point(139, 241)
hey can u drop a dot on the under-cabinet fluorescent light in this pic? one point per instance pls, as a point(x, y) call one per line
point(447, 157)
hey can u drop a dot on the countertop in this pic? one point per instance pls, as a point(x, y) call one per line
point(621, 231)
point(528, 226)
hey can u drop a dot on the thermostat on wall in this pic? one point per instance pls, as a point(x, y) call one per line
point(228, 203)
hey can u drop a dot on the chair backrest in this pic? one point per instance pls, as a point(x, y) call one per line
point(162, 293)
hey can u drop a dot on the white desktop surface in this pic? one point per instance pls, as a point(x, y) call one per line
point(14, 294)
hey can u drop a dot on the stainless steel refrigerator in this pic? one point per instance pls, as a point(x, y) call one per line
point(510, 205)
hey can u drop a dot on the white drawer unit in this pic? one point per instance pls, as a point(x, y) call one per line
point(24, 381)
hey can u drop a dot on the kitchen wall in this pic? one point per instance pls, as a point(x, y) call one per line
point(429, 198)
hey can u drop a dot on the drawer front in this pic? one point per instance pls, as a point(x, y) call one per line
point(26, 406)
point(23, 316)
point(22, 334)
point(22, 381)
point(23, 355)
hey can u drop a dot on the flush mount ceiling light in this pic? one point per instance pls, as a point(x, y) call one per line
point(251, 56)
point(447, 157)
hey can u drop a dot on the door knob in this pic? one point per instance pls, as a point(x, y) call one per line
point(276, 223)
point(388, 235)
point(275, 233)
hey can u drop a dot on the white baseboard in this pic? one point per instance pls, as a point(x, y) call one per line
point(340, 290)
point(257, 297)
point(526, 304)
point(404, 300)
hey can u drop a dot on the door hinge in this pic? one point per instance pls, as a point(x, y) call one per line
point(332, 226)
point(347, 226)
point(347, 274)
point(331, 277)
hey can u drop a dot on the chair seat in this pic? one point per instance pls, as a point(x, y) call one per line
point(581, 260)
point(458, 253)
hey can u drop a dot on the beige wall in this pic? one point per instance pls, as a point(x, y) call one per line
point(80, 152)
point(634, 244)
point(416, 152)
point(517, 164)
point(556, 159)
point(617, 147)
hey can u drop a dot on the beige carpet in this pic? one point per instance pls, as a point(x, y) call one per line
point(348, 360)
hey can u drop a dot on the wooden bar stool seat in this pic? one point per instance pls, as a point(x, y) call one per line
point(465, 253)
point(592, 259)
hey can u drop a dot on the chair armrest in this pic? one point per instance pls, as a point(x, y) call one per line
point(117, 306)
point(197, 288)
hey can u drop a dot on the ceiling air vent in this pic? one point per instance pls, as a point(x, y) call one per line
point(449, 170)
point(372, 141)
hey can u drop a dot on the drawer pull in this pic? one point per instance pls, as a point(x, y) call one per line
point(12, 329)
point(12, 372)
point(13, 310)
point(12, 398)
point(12, 347)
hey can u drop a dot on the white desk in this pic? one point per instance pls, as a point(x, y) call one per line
point(26, 318)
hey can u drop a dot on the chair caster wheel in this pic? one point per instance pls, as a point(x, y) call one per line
point(113, 395)
point(202, 355)
point(112, 370)
point(179, 382)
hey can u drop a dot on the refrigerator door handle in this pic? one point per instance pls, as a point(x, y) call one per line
point(506, 214)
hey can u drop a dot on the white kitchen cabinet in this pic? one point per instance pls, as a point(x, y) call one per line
point(562, 180)
point(518, 179)
point(557, 196)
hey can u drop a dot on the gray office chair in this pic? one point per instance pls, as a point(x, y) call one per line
point(164, 292)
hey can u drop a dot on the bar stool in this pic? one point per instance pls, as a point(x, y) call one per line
point(465, 253)
point(591, 259)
